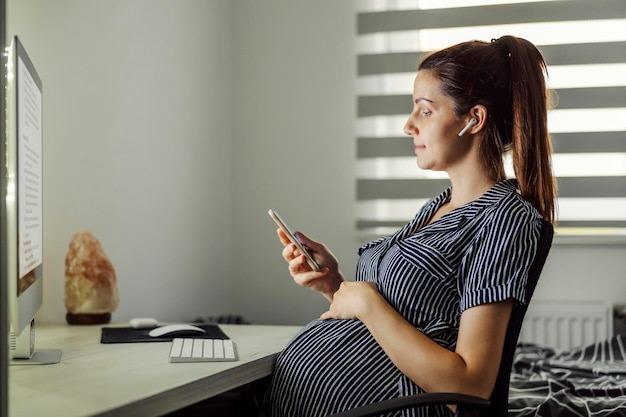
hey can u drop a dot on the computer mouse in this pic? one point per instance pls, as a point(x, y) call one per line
point(176, 330)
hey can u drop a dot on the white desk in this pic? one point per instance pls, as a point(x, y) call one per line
point(95, 379)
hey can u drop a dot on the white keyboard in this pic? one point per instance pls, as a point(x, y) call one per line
point(202, 350)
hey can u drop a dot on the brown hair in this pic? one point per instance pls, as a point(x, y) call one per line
point(507, 76)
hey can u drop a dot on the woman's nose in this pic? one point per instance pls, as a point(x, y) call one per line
point(409, 127)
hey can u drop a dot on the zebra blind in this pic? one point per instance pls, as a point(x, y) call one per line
point(584, 44)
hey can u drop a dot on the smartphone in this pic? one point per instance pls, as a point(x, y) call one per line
point(292, 238)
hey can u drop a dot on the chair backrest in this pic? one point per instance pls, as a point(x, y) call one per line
point(500, 396)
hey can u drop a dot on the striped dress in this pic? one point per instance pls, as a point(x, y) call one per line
point(479, 253)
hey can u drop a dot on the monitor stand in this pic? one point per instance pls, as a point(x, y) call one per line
point(24, 345)
point(39, 357)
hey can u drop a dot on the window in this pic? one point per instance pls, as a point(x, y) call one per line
point(584, 44)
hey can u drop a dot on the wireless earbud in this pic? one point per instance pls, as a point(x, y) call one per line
point(467, 127)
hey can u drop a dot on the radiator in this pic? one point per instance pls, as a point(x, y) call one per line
point(564, 325)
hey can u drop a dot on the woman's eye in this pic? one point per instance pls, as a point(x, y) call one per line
point(426, 112)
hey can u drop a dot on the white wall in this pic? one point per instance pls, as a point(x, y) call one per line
point(215, 111)
point(137, 146)
point(584, 272)
point(293, 109)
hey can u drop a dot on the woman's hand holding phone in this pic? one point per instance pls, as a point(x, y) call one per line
point(291, 237)
point(327, 278)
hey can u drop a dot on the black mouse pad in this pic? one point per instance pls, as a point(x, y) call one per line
point(131, 335)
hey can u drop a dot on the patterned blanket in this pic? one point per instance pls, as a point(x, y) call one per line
point(585, 382)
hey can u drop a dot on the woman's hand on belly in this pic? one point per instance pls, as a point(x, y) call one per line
point(352, 299)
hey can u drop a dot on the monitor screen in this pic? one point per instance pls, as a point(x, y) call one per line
point(23, 185)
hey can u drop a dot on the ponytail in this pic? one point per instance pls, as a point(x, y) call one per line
point(531, 145)
point(507, 76)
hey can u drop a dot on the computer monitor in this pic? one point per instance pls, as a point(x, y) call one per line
point(4, 311)
point(22, 187)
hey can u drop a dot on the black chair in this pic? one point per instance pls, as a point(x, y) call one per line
point(467, 405)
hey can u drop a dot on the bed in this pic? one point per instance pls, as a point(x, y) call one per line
point(584, 382)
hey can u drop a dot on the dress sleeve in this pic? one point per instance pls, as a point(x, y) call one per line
point(496, 266)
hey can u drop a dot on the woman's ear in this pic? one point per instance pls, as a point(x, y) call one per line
point(476, 122)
